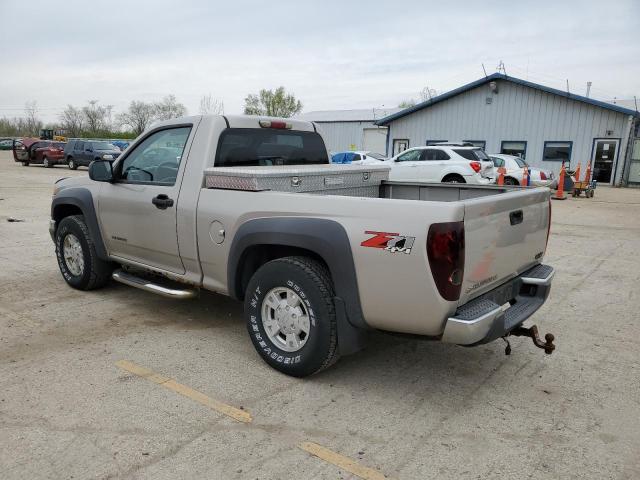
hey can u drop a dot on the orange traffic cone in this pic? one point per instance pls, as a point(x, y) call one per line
point(560, 191)
point(577, 174)
point(587, 177)
point(525, 177)
point(501, 172)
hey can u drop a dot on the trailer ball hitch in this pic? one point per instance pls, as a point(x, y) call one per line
point(532, 333)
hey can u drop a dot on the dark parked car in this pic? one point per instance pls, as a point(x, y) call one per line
point(82, 152)
point(6, 144)
point(35, 151)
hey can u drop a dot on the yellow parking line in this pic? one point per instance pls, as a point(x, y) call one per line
point(170, 384)
point(340, 461)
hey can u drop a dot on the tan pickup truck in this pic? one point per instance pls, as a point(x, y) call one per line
point(320, 254)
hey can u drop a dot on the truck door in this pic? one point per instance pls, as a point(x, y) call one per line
point(137, 212)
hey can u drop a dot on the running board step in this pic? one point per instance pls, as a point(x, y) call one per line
point(147, 285)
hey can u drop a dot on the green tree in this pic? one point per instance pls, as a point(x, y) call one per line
point(407, 103)
point(271, 103)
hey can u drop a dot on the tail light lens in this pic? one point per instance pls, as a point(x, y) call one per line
point(477, 166)
point(445, 249)
point(543, 176)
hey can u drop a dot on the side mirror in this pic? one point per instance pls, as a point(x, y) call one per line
point(101, 171)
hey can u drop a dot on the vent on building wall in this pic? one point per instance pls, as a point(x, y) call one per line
point(489, 100)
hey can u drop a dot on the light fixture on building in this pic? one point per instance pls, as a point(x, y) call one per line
point(493, 86)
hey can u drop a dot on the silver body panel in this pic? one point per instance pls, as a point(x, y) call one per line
point(396, 290)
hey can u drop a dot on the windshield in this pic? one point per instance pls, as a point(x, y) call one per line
point(521, 163)
point(103, 146)
point(377, 156)
point(480, 155)
point(251, 147)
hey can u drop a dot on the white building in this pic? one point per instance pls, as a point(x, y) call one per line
point(546, 126)
point(345, 130)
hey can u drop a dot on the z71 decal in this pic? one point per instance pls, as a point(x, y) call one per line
point(392, 242)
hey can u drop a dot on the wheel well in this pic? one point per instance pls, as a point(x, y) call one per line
point(257, 255)
point(62, 211)
point(457, 176)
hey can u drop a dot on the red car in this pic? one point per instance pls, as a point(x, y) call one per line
point(34, 150)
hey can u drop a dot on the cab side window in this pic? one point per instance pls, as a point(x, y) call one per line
point(157, 159)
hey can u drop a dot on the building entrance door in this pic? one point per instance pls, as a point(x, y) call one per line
point(604, 158)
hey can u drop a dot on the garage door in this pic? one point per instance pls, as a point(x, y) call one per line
point(375, 140)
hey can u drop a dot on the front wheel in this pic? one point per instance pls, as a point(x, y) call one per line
point(72, 164)
point(77, 257)
point(46, 162)
point(291, 315)
point(25, 164)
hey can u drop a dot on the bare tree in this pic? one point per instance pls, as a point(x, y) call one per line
point(138, 117)
point(169, 108)
point(427, 94)
point(31, 114)
point(72, 120)
point(94, 117)
point(272, 103)
point(211, 106)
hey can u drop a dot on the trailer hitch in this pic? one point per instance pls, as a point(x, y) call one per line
point(532, 333)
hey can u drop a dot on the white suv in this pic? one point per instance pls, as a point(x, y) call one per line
point(456, 163)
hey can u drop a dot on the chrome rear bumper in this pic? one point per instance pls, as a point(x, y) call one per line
point(500, 310)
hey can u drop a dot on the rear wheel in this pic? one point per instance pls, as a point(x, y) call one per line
point(46, 162)
point(291, 316)
point(77, 257)
point(511, 181)
point(453, 178)
point(72, 164)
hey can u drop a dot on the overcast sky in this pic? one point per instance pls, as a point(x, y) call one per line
point(331, 54)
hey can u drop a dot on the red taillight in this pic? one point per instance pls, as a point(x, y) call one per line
point(543, 176)
point(445, 249)
point(275, 124)
point(477, 166)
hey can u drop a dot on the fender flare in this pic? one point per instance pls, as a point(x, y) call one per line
point(325, 238)
point(82, 199)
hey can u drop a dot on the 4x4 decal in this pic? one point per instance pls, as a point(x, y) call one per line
point(392, 242)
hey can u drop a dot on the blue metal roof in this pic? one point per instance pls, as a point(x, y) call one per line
point(500, 76)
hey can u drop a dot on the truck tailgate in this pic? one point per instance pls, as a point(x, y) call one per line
point(504, 235)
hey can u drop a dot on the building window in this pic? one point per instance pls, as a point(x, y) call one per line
point(477, 143)
point(433, 142)
point(517, 148)
point(400, 145)
point(557, 151)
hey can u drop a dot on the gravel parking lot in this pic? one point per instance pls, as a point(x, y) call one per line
point(402, 408)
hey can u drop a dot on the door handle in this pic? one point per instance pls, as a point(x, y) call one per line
point(162, 201)
point(516, 217)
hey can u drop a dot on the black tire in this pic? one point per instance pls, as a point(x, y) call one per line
point(453, 178)
point(95, 272)
point(25, 164)
point(310, 280)
point(71, 163)
point(511, 181)
point(46, 162)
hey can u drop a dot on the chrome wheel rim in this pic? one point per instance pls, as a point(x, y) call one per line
point(73, 255)
point(45, 162)
point(285, 319)
point(71, 164)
